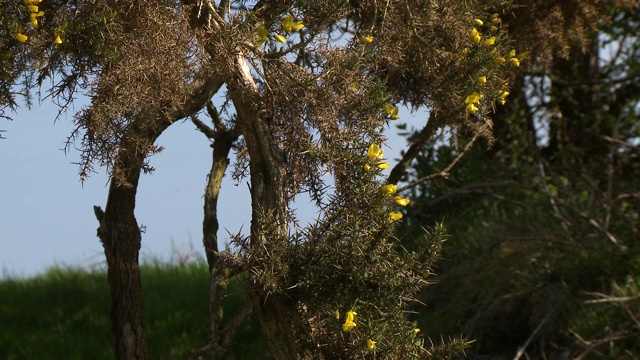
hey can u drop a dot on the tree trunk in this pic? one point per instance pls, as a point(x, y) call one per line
point(218, 336)
point(121, 239)
point(286, 333)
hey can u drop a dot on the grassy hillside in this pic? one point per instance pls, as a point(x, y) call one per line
point(64, 314)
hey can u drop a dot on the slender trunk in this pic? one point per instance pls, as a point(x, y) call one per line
point(217, 336)
point(121, 239)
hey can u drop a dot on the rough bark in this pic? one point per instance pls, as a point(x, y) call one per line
point(286, 334)
point(121, 239)
point(119, 231)
point(218, 336)
point(219, 271)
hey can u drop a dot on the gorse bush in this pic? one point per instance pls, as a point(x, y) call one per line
point(309, 89)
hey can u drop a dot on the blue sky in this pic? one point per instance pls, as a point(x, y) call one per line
point(46, 214)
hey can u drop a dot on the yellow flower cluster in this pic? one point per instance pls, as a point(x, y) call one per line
point(391, 111)
point(493, 23)
point(472, 101)
point(288, 25)
point(374, 157)
point(349, 322)
point(34, 14)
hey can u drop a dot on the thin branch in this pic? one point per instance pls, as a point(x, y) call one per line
point(419, 141)
point(565, 223)
point(445, 173)
point(206, 130)
point(225, 8)
point(200, 95)
point(609, 299)
point(522, 348)
point(215, 116)
point(232, 327)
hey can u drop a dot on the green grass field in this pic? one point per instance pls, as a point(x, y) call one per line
point(64, 314)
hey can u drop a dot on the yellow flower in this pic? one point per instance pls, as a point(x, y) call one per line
point(475, 36)
point(371, 344)
point(478, 22)
point(21, 37)
point(33, 8)
point(374, 152)
point(367, 39)
point(482, 80)
point(57, 40)
point(514, 61)
point(389, 189)
point(395, 216)
point(383, 165)
point(512, 53)
point(287, 23)
point(337, 314)
point(264, 34)
point(351, 314)
point(472, 109)
point(367, 167)
point(500, 60)
point(392, 111)
point(401, 201)
point(474, 98)
point(495, 18)
point(493, 28)
point(297, 25)
point(280, 39)
point(490, 41)
point(33, 17)
point(502, 96)
point(416, 330)
point(349, 324)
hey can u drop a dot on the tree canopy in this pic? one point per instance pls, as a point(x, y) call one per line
point(309, 88)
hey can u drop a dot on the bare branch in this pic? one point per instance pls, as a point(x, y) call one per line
point(232, 327)
point(609, 299)
point(215, 116)
point(445, 173)
point(419, 142)
point(522, 348)
point(199, 96)
point(206, 130)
